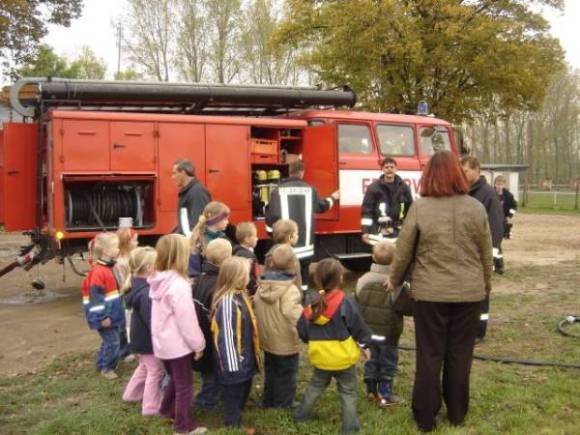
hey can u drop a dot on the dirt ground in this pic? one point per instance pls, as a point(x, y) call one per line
point(37, 326)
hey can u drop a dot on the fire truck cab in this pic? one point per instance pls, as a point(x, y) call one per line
point(92, 152)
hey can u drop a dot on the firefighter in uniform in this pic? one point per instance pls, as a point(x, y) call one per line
point(297, 200)
point(485, 194)
point(385, 204)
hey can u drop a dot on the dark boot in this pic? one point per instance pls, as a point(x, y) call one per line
point(498, 265)
point(372, 386)
point(386, 394)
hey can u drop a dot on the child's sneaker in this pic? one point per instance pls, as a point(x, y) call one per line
point(197, 430)
point(387, 398)
point(109, 374)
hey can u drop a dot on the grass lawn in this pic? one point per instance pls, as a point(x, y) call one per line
point(70, 397)
point(550, 201)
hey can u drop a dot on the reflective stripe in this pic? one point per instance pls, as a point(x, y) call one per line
point(96, 308)
point(304, 287)
point(112, 297)
point(269, 229)
point(484, 316)
point(305, 255)
point(378, 337)
point(306, 192)
point(330, 201)
point(303, 249)
point(495, 252)
point(512, 211)
point(184, 220)
point(367, 222)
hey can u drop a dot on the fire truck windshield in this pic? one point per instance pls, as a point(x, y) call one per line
point(396, 140)
point(434, 139)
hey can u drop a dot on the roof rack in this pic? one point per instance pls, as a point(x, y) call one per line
point(162, 97)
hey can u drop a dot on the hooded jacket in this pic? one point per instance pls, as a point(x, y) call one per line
point(191, 201)
point(397, 198)
point(137, 299)
point(332, 338)
point(486, 194)
point(101, 297)
point(297, 200)
point(175, 331)
point(278, 307)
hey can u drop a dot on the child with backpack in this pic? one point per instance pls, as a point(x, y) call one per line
point(378, 311)
point(332, 325)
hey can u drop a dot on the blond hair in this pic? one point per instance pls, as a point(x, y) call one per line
point(383, 252)
point(213, 209)
point(125, 237)
point(140, 260)
point(173, 254)
point(100, 243)
point(217, 251)
point(245, 230)
point(283, 230)
point(234, 276)
point(282, 258)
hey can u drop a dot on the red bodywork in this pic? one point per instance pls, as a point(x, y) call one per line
point(82, 147)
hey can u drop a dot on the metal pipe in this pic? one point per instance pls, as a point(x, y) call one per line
point(126, 93)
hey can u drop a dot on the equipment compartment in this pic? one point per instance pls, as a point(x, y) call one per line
point(97, 204)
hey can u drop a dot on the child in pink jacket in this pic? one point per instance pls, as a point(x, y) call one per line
point(175, 331)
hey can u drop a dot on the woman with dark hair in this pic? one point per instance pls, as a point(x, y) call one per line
point(446, 242)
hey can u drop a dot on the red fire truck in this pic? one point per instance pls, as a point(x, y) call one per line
point(90, 152)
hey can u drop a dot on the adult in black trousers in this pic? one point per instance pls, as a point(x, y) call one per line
point(445, 241)
point(484, 193)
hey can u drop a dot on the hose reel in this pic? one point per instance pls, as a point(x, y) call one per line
point(101, 205)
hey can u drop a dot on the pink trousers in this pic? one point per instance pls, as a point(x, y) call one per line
point(145, 384)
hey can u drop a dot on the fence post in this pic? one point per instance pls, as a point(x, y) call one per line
point(577, 193)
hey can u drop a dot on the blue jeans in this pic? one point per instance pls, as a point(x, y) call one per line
point(108, 355)
point(210, 393)
point(346, 383)
point(382, 365)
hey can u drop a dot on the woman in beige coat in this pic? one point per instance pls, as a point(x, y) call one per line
point(445, 244)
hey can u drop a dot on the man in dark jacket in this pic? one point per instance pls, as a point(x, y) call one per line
point(297, 200)
point(485, 194)
point(385, 203)
point(192, 199)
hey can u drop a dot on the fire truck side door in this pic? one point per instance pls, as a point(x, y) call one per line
point(320, 155)
point(228, 167)
point(19, 176)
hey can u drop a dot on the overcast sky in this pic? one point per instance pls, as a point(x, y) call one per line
point(94, 29)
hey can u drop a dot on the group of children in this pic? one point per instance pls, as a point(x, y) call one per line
point(201, 304)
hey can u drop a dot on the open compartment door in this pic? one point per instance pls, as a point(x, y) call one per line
point(320, 156)
point(18, 185)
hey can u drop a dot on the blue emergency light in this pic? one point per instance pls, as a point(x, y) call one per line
point(422, 108)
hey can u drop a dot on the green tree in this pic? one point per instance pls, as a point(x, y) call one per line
point(128, 74)
point(44, 64)
point(23, 24)
point(460, 56)
point(88, 66)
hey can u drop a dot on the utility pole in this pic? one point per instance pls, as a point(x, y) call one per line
point(119, 40)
